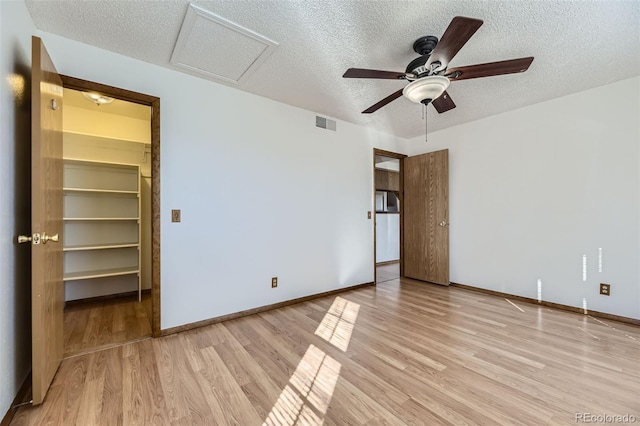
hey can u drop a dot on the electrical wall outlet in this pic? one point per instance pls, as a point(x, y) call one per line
point(175, 215)
point(605, 289)
point(274, 282)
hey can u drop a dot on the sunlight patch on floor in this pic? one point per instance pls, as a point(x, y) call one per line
point(338, 323)
point(305, 400)
point(514, 305)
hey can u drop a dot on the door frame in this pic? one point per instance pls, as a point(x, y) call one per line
point(401, 158)
point(154, 103)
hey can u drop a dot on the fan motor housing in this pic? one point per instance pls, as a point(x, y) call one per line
point(417, 66)
point(422, 46)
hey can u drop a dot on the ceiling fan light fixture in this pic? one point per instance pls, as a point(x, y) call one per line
point(431, 87)
point(97, 98)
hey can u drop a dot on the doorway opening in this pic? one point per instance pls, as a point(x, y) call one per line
point(111, 216)
point(388, 215)
point(424, 214)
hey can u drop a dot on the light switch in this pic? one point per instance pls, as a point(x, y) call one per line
point(175, 215)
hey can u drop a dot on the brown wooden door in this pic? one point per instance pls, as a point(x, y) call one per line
point(425, 235)
point(47, 291)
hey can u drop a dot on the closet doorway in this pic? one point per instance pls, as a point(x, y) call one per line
point(108, 181)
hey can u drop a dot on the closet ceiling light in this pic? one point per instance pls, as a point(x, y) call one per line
point(97, 98)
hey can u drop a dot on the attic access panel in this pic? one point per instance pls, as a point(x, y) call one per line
point(217, 48)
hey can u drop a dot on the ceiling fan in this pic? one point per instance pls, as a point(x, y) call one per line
point(428, 74)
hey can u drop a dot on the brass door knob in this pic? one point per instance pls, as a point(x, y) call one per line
point(37, 238)
point(23, 239)
point(46, 238)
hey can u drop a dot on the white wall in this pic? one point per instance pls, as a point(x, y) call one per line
point(263, 192)
point(101, 123)
point(15, 121)
point(535, 189)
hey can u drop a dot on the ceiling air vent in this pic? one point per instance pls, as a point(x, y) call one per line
point(325, 123)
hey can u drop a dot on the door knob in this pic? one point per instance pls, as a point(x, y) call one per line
point(444, 223)
point(36, 238)
point(23, 239)
point(46, 238)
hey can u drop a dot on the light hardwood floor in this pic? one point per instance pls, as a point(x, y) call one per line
point(387, 272)
point(400, 353)
point(92, 325)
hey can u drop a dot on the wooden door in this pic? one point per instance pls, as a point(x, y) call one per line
point(47, 291)
point(425, 235)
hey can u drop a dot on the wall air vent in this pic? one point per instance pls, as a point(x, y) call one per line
point(325, 123)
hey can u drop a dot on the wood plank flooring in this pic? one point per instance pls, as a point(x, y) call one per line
point(400, 353)
point(388, 272)
point(92, 325)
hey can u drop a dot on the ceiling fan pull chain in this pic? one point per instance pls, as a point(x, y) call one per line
point(426, 126)
point(423, 111)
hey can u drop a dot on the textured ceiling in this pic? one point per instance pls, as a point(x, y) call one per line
point(577, 45)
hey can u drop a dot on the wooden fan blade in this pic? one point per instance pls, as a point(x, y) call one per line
point(365, 73)
point(443, 103)
point(456, 35)
point(492, 68)
point(388, 99)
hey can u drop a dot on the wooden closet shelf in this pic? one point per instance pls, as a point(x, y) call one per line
point(71, 219)
point(101, 273)
point(100, 246)
point(98, 191)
